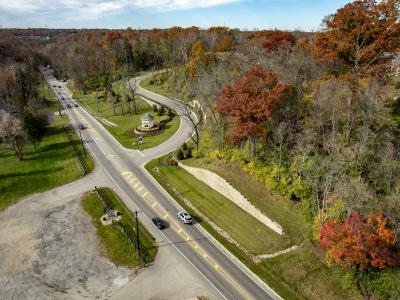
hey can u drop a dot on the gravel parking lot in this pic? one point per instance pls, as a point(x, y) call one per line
point(49, 250)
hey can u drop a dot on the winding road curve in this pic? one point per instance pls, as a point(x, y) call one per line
point(125, 168)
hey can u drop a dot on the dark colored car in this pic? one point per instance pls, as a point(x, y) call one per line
point(62, 98)
point(76, 105)
point(158, 222)
point(59, 86)
point(68, 105)
point(81, 126)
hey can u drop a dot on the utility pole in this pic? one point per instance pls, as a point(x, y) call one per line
point(137, 233)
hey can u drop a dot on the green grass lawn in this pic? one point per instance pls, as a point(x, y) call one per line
point(158, 89)
point(244, 228)
point(284, 212)
point(52, 164)
point(127, 121)
point(115, 245)
point(301, 274)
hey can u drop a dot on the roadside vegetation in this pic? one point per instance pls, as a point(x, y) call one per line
point(115, 245)
point(294, 275)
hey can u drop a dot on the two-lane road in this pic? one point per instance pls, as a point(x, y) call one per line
point(125, 168)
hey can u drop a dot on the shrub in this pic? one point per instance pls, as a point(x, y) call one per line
point(172, 161)
point(170, 114)
point(184, 147)
point(188, 153)
point(179, 154)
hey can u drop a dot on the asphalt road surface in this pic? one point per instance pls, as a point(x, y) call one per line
point(126, 169)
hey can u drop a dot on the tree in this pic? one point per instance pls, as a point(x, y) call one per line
point(359, 244)
point(276, 39)
point(133, 86)
point(194, 122)
point(11, 132)
point(360, 32)
point(249, 102)
point(225, 44)
point(35, 127)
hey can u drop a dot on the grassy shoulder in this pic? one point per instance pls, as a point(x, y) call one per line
point(125, 120)
point(53, 163)
point(115, 245)
point(300, 274)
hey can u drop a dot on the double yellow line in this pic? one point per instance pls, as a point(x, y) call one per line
point(137, 186)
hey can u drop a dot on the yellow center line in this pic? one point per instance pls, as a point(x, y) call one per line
point(180, 231)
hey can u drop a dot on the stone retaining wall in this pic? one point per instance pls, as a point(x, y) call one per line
point(223, 187)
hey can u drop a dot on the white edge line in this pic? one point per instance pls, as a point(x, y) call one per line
point(148, 219)
point(263, 285)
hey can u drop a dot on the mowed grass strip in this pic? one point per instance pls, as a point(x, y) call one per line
point(115, 245)
point(276, 207)
point(126, 121)
point(300, 274)
point(249, 232)
point(53, 163)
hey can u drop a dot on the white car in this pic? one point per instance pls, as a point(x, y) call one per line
point(185, 217)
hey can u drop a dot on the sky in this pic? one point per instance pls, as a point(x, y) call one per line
point(243, 14)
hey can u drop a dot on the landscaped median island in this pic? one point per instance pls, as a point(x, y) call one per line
point(122, 119)
point(115, 244)
point(51, 164)
point(296, 274)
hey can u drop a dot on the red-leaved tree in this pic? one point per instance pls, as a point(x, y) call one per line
point(249, 102)
point(360, 244)
point(277, 39)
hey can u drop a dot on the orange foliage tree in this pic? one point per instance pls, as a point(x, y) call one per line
point(360, 32)
point(360, 244)
point(225, 44)
point(250, 101)
point(197, 58)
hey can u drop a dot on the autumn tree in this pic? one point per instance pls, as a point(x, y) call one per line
point(197, 58)
point(360, 32)
point(359, 244)
point(277, 39)
point(250, 101)
point(225, 44)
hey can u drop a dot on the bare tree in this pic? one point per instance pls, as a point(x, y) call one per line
point(133, 87)
point(11, 132)
point(194, 122)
